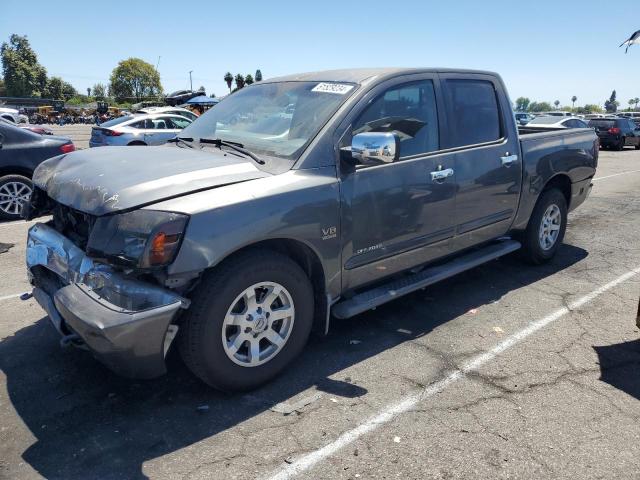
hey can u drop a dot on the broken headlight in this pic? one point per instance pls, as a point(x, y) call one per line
point(142, 238)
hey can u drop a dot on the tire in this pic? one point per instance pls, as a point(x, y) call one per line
point(532, 249)
point(205, 338)
point(638, 146)
point(15, 191)
point(136, 144)
point(620, 145)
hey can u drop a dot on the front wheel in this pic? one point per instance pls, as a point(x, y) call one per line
point(15, 191)
point(546, 227)
point(249, 318)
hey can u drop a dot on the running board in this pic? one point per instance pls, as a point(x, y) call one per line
point(397, 288)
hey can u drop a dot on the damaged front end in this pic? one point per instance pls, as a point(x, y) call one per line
point(124, 320)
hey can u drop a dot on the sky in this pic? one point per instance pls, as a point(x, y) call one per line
point(545, 50)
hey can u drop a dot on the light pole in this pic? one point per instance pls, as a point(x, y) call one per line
point(190, 81)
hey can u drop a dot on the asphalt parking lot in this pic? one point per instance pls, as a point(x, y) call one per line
point(80, 133)
point(506, 371)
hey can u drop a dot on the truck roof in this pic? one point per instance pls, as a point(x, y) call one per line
point(359, 75)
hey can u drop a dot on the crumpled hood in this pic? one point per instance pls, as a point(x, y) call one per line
point(107, 179)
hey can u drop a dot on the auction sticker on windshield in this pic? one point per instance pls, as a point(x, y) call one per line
point(339, 88)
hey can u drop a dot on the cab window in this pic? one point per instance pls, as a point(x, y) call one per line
point(408, 110)
point(472, 112)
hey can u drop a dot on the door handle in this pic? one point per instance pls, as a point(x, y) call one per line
point(509, 160)
point(441, 174)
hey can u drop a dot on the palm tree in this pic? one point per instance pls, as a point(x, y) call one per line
point(239, 81)
point(229, 79)
point(636, 101)
point(574, 99)
point(248, 79)
point(556, 103)
point(631, 102)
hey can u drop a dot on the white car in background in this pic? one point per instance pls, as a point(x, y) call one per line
point(169, 110)
point(557, 122)
point(138, 130)
point(12, 115)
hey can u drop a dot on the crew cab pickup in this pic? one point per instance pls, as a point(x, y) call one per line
point(293, 202)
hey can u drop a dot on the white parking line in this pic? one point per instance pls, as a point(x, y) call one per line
point(9, 297)
point(615, 175)
point(310, 459)
point(23, 222)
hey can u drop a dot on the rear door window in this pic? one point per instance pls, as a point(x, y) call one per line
point(602, 123)
point(472, 112)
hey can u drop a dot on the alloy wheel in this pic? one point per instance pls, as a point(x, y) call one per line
point(13, 196)
point(258, 324)
point(550, 227)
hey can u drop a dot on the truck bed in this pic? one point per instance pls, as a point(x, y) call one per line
point(573, 151)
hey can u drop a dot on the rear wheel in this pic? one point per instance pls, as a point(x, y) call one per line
point(620, 145)
point(546, 227)
point(136, 144)
point(249, 318)
point(15, 191)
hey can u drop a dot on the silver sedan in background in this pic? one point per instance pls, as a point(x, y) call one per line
point(138, 130)
point(550, 121)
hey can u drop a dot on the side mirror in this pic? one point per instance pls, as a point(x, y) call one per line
point(375, 148)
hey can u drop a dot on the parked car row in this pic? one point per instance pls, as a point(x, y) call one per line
point(614, 132)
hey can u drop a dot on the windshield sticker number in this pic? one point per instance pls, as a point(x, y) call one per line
point(338, 88)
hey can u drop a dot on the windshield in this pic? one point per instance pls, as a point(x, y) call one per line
point(272, 119)
point(602, 123)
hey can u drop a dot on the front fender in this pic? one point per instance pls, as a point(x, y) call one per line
point(300, 205)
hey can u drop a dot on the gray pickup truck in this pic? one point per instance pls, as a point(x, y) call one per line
point(292, 202)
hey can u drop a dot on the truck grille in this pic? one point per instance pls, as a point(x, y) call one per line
point(74, 225)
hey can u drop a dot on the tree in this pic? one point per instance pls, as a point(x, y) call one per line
point(258, 76)
point(23, 75)
point(3, 88)
point(58, 89)
point(540, 107)
point(636, 101)
point(248, 79)
point(631, 102)
point(135, 78)
point(522, 104)
point(239, 81)
point(589, 108)
point(100, 91)
point(611, 105)
point(228, 77)
point(556, 103)
point(574, 99)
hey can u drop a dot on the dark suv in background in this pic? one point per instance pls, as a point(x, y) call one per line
point(616, 133)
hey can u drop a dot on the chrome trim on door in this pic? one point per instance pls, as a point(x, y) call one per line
point(509, 160)
point(441, 174)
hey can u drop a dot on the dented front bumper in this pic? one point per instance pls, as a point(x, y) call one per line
point(125, 323)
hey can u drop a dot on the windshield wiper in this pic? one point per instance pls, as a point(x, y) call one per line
point(184, 140)
point(238, 147)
